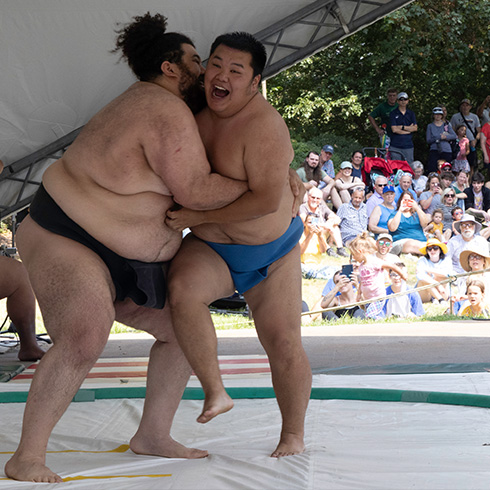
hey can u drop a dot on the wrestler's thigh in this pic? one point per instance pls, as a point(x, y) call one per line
point(72, 284)
point(198, 273)
point(13, 276)
point(276, 302)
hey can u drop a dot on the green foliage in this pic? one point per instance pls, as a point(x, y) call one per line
point(436, 50)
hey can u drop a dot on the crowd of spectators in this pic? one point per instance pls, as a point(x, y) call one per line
point(435, 211)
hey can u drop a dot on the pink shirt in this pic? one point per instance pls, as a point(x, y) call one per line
point(372, 280)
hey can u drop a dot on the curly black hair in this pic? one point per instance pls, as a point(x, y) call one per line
point(145, 44)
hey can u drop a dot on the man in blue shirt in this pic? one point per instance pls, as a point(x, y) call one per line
point(403, 124)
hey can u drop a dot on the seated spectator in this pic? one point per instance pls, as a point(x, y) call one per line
point(313, 246)
point(459, 186)
point(431, 198)
point(447, 207)
point(326, 160)
point(356, 160)
point(433, 268)
point(405, 184)
point(371, 274)
point(435, 227)
point(378, 218)
point(447, 179)
point(312, 176)
point(419, 181)
point(384, 243)
point(457, 214)
point(477, 258)
point(406, 225)
point(343, 293)
point(443, 166)
point(405, 306)
point(325, 219)
point(477, 202)
point(477, 306)
point(377, 196)
point(353, 216)
point(346, 183)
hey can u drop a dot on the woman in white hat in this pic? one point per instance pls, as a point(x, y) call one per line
point(432, 268)
point(345, 183)
point(477, 258)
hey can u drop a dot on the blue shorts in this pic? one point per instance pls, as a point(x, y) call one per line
point(249, 264)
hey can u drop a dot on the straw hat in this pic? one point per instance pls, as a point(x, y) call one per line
point(474, 248)
point(430, 243)
point(465, 219)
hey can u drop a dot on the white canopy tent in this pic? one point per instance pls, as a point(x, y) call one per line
point(58, 69)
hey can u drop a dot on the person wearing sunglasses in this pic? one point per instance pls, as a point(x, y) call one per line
point(432, 268)
point(377, 196)
point(448, 205)
point(403, 125)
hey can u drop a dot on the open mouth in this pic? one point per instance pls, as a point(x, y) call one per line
point(220, 92)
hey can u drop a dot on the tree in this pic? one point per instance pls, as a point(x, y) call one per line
point(436, 50)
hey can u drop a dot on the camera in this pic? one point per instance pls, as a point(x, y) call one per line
point(8, 251)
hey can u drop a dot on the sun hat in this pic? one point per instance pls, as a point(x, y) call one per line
point(465, 219)
point(430, 243)
point(345, 164)
point(474, 248)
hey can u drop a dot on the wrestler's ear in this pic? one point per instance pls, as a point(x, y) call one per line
point(256, 82)
point(168, 69)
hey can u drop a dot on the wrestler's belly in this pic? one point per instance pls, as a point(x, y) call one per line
point(132, 226)
point(253, 232)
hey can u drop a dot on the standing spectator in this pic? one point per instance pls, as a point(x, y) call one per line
point(378, 218)
point(419, 181)
point(346, 182)
point(403, 124)
point(432, 268)
point(485, 146)
point(483, 111)
point(326, 160)
point(439, 135)
point(382, 112)
point(312, 175)
point(325, 219)
point(430, 199)
point(356, 160)
point(463, 144)
point(406, 225)
point(405, 184)
point(477, 201)
point(377, 196)
point(473, 128)
point(405, 306)
point(353, 216)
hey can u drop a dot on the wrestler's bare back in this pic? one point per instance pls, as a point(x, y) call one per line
point(113, 179)
point(231, 145)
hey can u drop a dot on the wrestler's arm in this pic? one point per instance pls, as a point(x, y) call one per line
point(266, 162)
point(174, 150)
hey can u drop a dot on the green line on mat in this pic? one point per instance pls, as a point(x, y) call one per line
point(364, 394)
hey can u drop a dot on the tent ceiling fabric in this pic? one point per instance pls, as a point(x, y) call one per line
point(58, 69)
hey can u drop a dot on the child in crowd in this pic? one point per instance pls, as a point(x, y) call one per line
point(406, 305)
point(371, 273)
point(434, 228)
point(443, 166)
point(475, 290)
point(461, 161)
point(447, 179)
point(457, 214)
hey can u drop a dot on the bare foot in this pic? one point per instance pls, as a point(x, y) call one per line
point(167, 448)
point(33, 353)
point(289, 445)
point(215, 405)
point(30, 470)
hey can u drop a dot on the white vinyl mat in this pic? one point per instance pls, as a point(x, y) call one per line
point(351, 444)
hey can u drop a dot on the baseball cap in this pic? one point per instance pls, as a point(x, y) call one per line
point(402, 95)
point(437, 110)
point(446, 165)
point(346, 164)
point(328, 148)
point(388, 188)
point(467, 101)
point(385, 235)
